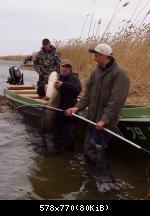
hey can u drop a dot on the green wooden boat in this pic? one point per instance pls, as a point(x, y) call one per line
point(134, 123)
point(24, 95)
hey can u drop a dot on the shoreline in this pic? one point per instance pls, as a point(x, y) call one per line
point(12, 58)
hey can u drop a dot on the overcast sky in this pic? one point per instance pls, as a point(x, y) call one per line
point(24, 23)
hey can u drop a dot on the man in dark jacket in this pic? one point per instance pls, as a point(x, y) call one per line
point(105, 95)
point(64, 129)
point(47, 60)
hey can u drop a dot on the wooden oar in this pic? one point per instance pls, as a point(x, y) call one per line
point(114, 134)
point(93, 123)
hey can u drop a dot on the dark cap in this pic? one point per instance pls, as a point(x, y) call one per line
point(45, 41)
point(65, 62)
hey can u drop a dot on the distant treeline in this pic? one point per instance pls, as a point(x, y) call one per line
point(13, 57)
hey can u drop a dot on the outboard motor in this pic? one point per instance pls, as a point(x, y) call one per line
point(16, 77)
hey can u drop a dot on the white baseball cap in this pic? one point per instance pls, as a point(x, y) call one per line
point(102, 48)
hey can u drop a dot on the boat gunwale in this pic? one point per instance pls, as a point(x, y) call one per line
point(23, 100)
point(30, 101)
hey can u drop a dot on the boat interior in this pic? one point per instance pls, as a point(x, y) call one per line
point(128, 111)
point(28, 91)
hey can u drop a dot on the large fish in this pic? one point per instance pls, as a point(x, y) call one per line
point(54, 98)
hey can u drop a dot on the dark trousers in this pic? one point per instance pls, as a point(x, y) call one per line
point(95, 150)
point(40, 90)
point(64, 133)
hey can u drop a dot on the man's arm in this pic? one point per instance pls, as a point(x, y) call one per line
point(39, 68)
point(73, 85)
point(118, 97)
point(84, 101)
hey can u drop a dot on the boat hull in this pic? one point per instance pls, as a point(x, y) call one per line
point(136, 130)
point(134, 124)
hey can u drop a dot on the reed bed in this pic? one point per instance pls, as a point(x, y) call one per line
point(130, 43)
point(130, 49)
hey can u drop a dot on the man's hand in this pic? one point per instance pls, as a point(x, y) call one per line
point(69, 111)
point(100, 125)
point(57, 84)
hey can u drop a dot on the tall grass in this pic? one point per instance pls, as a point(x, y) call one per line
point(130, 44)
point(131, 50)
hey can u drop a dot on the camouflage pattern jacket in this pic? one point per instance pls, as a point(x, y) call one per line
point(46, 62)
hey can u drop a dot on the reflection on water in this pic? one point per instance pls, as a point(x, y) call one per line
point(66, 177)
point(58, 177)
point(27, 174)
point(15, 162)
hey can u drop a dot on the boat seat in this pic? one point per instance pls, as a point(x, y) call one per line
point(33, 96)
point(19, 87)
point(22, 91)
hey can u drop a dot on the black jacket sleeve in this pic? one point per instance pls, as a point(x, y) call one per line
point(72, 84)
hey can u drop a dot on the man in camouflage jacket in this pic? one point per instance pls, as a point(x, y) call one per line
point(47, 60)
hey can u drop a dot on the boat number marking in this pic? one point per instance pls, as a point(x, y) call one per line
point(136, 132)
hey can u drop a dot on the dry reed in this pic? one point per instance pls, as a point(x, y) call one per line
point(130, 45)
point(131, 50)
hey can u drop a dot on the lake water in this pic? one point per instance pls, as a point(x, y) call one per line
point(27, 174)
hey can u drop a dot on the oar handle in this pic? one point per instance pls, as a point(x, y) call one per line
point(84, 119)
point(114, 134)
point(91, 122)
